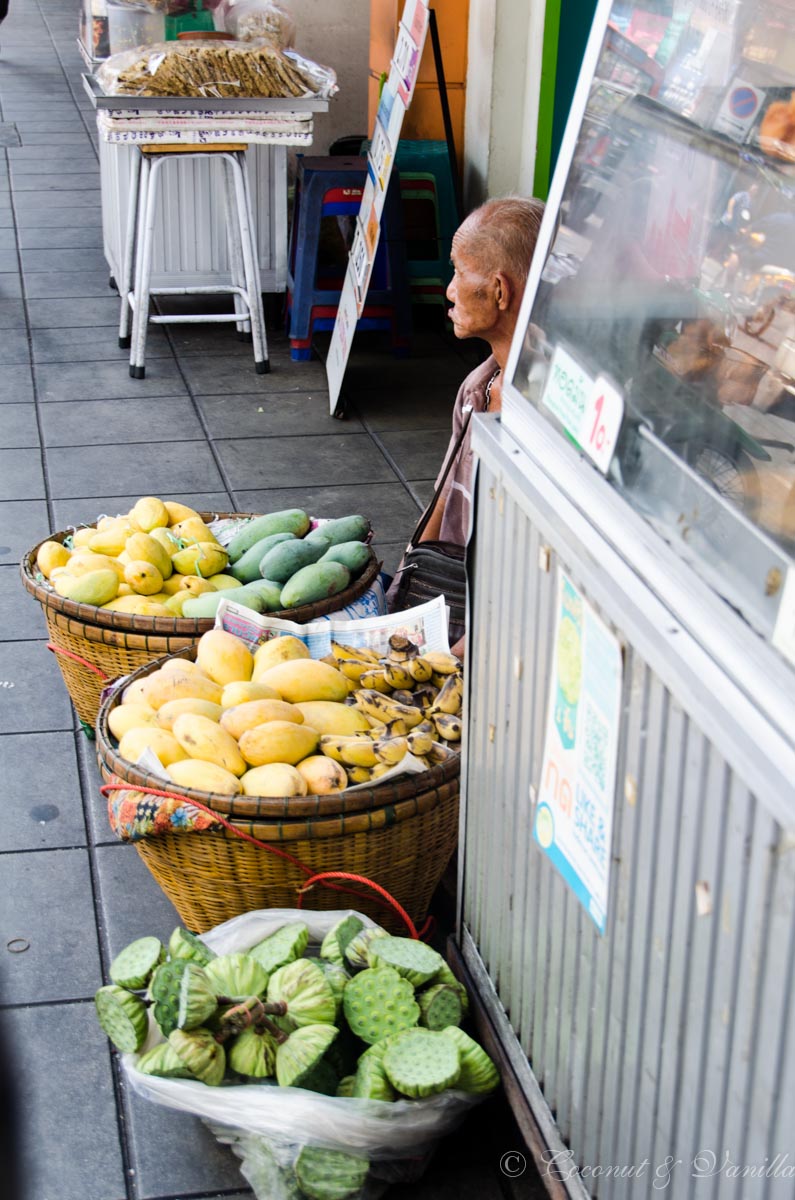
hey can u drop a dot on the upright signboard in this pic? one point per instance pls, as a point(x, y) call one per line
point(395, 99)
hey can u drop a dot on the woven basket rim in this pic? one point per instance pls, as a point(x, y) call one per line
point(285, 808)
point(91, 614)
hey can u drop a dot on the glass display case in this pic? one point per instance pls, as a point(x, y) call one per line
point(658, 331)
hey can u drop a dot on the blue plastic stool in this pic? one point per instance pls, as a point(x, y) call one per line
point(333, 186)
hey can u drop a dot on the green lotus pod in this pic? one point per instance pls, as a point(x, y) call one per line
point(412, 959)
point(478, 1073)
point(322, 1079)
point(197, 1002)
point(378, 1002)
point(282, 947)
point(303, 987)
point(163, 1060)
point(329, 1174)
point(336, 978)
point(237, 976)
point(440, 1006)
point(357, 952)
point(253, 1053)
point(445, 975)
point(183, 944)
point(122, 1017)
point(421, 1062)
point(371, 1082)
point(164, 989)
point(200, 1053)
point(345, 1086)
point(335, 943)
point(133, 966)
point(303, 1050)
point(345, 1051)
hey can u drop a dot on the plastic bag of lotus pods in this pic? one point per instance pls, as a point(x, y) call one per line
point(346, 1063)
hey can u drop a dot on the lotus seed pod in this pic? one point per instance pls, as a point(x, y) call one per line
point(357, 952)
point(163, 1060)
point(303, 987)
point(445, 975)
point(336, 977)
point(478, 1073)
point(237, 976)
point(200, 1053)
point(345, 1086)
point(281, 947)
point(133, 966)
point(330, 1174)
point(378, 1002)
point(197, 1000)
point(412, 959)
point(253, 1053)
point(440, 1006)
point(371, 1082)
point(421, 1062)
point(164, 989)
point(122, 1017)
point(303, 1050)
point(335, 943)
point(183, 944)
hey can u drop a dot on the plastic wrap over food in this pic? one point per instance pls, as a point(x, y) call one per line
point(228, 69)
point(247, 19)
point(169, 8)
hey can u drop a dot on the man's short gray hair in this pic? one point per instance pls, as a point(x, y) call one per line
point(501, 235)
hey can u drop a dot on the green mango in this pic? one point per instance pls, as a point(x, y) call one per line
point(343, 529)
point(288, 520)
point(282, 561)
point(246, 569)
point(353, 555)
point(315, 582)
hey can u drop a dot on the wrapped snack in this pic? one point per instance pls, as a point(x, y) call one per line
point(217, 68)
point(248, 19)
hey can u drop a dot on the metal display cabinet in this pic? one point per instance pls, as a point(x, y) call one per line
point(647, 1045)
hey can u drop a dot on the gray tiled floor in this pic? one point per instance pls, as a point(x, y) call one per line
point(80, 438)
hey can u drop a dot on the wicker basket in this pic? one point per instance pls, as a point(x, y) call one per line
point(401, 834)
point(115, 643)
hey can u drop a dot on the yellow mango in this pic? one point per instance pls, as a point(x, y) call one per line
point(174, 583)
point(243, 691)
point(50, 556)
point(274, 779)
point(321, 774)
point(179, 512)
point(175, 602)
point(193, 530)
point(152, 737)
point(203, 558)
point(278, 741)
point(166, 539)
point(184, 666)
point(277, 650)
point(204, 777)
point(143, 577)
point(107, 523)
point(142, 547)
point(243, 717)
point(81, 537)
point(306, 679)
point(110, 540)
point(194, 585)
point(129, 716)
point(167, 715)
point(224, 657)
point(223, 582)
point(124, 590)
point(162, 686)
point(149, 513)
point(138, 606)
point(134, 694)
point(95, 587)
point(329, 716)
point(204, 739)
point(83, 561)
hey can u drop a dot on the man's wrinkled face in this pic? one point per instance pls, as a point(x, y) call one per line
point(474, 312)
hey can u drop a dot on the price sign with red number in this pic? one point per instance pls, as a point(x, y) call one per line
point(601, 423)
point(590, 410)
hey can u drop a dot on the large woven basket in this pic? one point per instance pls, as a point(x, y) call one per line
point(400, 834)
point(94, 645)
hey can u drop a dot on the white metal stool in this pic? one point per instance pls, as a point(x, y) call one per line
point(135, 288)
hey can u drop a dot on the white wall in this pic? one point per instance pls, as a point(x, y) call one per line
point(337, 34)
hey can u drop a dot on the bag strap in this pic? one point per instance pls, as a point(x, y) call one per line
point(426, 516)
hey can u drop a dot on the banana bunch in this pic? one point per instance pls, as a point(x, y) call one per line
point(412, 702)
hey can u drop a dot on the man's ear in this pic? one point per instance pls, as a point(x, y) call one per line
point(503, 291)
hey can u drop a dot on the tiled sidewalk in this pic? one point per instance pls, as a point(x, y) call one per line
point(78, 438)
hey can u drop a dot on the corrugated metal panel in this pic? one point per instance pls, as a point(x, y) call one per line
point(190, 235)
point(670, 1041)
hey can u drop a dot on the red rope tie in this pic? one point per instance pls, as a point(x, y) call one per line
point(76, 657)
point(389, 901)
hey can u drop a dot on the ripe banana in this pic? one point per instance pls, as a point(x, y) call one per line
point(352, 751)
point(373, 703)
point(420, 741)
point(375, 678)
point(401, 649)
point(359, 653)
point(425, 694)
point(419, 669)
point(404, 696)
point(359, 774)
point(442, 663)
point(396, 676)
point(380, 770)
point(396, 728)
point(450, 696)
point(448, 726)
point(437, 753)
point(353, 668)
point(391, 750)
